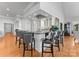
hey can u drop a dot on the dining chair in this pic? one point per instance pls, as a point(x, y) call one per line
point(27, 40)
point(48, 41)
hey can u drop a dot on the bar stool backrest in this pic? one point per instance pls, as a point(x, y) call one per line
point(62, 34)
point(27, 38)
point(52, 34)
point(17, 32)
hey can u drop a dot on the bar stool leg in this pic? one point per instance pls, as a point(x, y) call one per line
point(34, 45)
point(58, 45)
point(42, 49)
point(27, 46)
point(52, 50)
point(31, 50)
point(16, 39)
point(23, 50)
point(62, 43)
point(19, 42)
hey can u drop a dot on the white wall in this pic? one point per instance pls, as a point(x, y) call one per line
point(26, 24)
point(71, 9)
point(23, 24)
point(17, 23)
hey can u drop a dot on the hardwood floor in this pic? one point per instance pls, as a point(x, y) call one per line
point(8, 48)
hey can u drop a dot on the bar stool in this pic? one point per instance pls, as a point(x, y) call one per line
point(27, 40)
point(20, 37)
point(57, 40)
point(48, 41)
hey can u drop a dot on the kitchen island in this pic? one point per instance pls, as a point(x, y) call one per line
point(38, 40)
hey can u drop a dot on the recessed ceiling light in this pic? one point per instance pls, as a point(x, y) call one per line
point(8, 9)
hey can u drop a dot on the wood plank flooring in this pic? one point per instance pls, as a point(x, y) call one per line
point(8, 48)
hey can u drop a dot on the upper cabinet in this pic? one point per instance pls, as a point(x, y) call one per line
point(45, 23)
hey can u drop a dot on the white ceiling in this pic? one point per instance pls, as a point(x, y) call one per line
point(12, 9)
point(71, 9)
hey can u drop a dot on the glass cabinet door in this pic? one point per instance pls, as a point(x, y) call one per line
point(46, 23)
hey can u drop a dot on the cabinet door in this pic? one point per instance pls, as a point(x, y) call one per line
point(35, 25)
